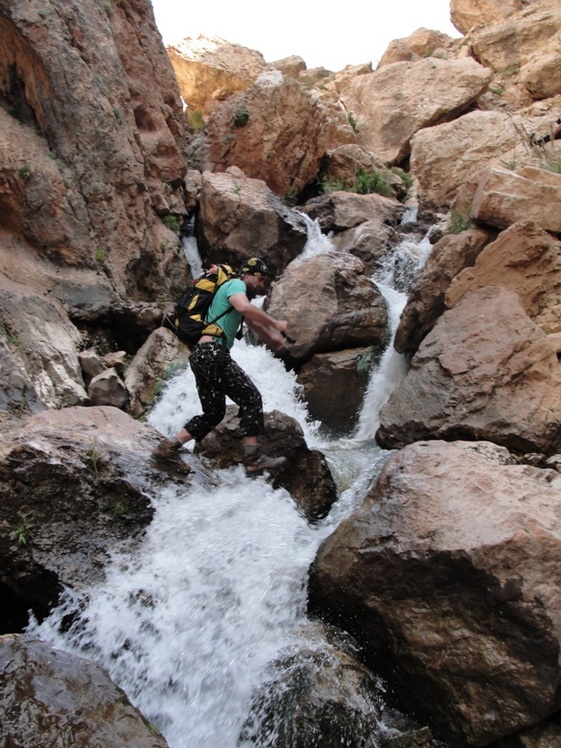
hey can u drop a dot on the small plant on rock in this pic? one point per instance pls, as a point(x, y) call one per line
point(459, 221)
point(172, 222)
point(241, 116)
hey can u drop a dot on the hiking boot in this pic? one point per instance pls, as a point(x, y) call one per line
point(256, 461)
point(167, 454)
point(167, 448)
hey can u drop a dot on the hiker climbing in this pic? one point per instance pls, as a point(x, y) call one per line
point(218, 376)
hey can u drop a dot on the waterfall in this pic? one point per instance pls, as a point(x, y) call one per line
point(393, 280)
point(188, 620)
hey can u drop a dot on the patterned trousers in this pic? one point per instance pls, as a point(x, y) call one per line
point(218, 376)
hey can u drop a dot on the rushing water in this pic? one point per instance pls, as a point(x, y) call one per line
point(187, 623)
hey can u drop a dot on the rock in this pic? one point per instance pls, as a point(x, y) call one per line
point(85, 186)
point(465, 14)
point(330, 305)
point(317, 695)
point(394, 102)
point(274, 131)
point(369, 241)
point(421, 43)
point(115, 360)
point(339, 211)
point(426, 298)
point(525, 42)
point(108, 388)
point(342, 166)
point(49, 696)
point(524, 258)
point(503, 197)
point(241, 218)
point(451, 559)
point(161, 355)
point(485, 371)
point(73, 484)
point(292, 65)
point(91, 363)
point(306, 475)
point(334, 386)
point(40, 368)
point(444, 157)
point(209, 69)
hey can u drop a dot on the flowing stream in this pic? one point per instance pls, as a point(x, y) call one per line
point(187, 623)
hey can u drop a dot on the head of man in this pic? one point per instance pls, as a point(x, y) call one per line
point(255, 274)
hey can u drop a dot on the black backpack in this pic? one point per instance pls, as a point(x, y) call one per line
point(189, 321)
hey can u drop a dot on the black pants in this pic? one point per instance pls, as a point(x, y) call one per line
point(218, 376)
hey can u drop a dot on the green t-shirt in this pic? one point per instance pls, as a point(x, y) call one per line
point(230, 322)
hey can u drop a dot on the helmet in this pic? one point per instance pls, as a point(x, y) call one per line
point(254, 266)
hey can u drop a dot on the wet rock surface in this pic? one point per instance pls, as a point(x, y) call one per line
point(50, 697)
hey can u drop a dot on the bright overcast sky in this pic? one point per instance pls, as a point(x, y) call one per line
point(349, 33)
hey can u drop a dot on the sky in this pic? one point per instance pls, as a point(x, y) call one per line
point(352, 32)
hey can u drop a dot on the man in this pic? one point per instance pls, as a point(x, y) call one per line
point(217, 375)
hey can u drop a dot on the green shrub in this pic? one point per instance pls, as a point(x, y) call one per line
point(459, 221)
point(172, 222)
point(195, 120)
point(352, 122)
point(368, 182)
point(241, 116)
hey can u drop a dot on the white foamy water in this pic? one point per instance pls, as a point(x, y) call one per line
point(393, 281)
point(187, 621)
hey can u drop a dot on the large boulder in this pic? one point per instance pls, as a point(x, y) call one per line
point(527, 42)
point(51, 697)
point(524, 258)
point(39, 367)
point(421, 43)
point(448, 577)
point(445, 156)
point(274, 131)
point(330, 305)
point(241, 217)
point(485, 371)
point(209, 69)
point(161, 356)
point(340, 210)
point(334, 385)
point(306, 474)
point(71, 487)
point(504, 196)
point(393, 103)
point(319, 695)
point(465, 14)
point(426, 298)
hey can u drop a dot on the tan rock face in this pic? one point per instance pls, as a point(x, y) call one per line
point(79, 181)
point(274, 131)
point(519, 38)
point(485, 371)
point(419, 44)
point(443, 157)
point(467, 13)
point(451, 558)
point(330, 305)
point(209, 69)
point(503, 197)
point(526, 259)
point(242, 218)
point(393, 103)
point(426, 298)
